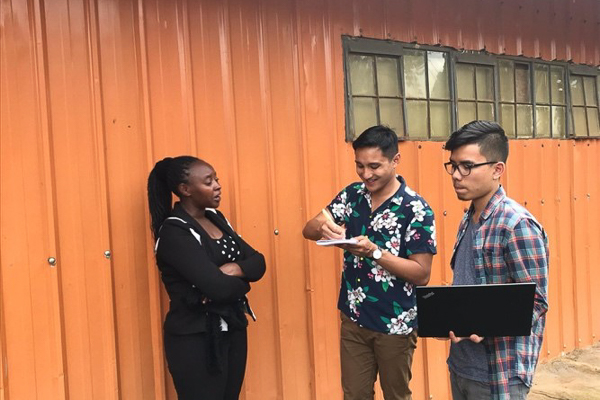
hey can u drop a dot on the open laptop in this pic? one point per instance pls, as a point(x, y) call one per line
point(486, 310)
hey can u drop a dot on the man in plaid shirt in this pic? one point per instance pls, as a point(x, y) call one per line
point(498, 241)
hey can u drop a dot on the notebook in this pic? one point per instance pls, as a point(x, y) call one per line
point(485, 310)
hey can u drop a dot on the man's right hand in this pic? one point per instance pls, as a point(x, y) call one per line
point(331, 230)
point(473, 338)
point(322, 226)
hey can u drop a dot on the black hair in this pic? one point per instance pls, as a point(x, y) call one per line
point(378, 136)
point(492, 141)
point(164, 179)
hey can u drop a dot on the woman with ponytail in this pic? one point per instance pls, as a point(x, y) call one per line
point(206, 268)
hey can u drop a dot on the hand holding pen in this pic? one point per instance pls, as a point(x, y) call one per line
point(329, 229)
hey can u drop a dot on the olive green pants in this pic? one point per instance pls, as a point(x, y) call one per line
point(365, 353)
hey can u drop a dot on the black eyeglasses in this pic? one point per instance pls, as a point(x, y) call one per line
point(464, 169)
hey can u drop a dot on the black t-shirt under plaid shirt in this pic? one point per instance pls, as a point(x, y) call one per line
point(403, 225)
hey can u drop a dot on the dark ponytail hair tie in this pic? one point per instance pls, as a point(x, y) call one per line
point(162, 168)
point(164, 180)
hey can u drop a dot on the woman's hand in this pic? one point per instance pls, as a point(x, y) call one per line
point(232, 269)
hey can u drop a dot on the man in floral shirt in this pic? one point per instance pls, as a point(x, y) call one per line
point(498, 242)
point(395, 232)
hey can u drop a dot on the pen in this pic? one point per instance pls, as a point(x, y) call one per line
point(327, 215)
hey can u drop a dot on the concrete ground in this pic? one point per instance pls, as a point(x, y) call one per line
point(575, 376)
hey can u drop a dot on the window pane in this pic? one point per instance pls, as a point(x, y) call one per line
point(577, 90)
point(590, 91)
point(485, 111)
point(558, 122)
point(361, 75)
point(594, 127)
point(437, 68)
point(465, 81)
point(522, 83)
point(579, 121)
point(365, 114)
point(485, 83)
point(466, 113)
point(388, 82)
point(524, 121)
point(391, 114)
point(542, 123)
point(507, 81)
point(507, 119)
point(557, 80)
point(414, 74)
point(416, 119)
point(542, 89)
point(440, 119)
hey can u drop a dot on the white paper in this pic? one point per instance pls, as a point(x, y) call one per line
point(332, 242)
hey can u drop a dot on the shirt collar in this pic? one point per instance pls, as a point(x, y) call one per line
point(491, 206)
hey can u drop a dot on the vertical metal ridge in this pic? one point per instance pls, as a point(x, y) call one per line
point(590, 242)
point(300, 125)
point(573, 224)
point(330, 91)
point(97, 116)
point(156, 313)
point(186, 70)
point(229, 111)
point(264, 83)
point(4, 394)
point(44, 109)
point(556, 193)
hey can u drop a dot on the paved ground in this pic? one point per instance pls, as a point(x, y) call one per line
point(575, 376)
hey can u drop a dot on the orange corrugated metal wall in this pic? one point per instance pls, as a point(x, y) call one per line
point(93, 92)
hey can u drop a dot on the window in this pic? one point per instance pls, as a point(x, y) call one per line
point(376, 92)
point(426, 92)
point(428, 106)
point(550, 101)
point(584, 100)
point(516, 107)
point(475, 92)
point(402, 86)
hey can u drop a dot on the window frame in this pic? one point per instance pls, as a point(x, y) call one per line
point(373, 48)
point(475, 59)
point(378, 47)
point(428, 100)
point(532, 90)
point(583, 71)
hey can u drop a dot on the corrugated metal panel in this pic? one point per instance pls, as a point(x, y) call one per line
point(93, 92)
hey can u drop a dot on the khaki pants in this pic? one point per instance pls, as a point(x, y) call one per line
point(364, 353)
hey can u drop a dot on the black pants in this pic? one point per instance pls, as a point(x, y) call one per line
point(187, 360)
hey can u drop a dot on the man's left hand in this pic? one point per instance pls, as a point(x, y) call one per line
point(473, 338)
point(364, 247)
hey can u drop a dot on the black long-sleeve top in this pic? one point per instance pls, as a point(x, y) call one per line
point(187, 259)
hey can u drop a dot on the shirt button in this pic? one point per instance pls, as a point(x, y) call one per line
point(361, 259)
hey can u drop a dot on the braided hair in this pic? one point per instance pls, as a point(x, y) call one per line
point(164, 179)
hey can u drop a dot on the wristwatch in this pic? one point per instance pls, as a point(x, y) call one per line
point(377, 253)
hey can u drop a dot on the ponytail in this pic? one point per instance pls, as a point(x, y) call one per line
point(164, 179)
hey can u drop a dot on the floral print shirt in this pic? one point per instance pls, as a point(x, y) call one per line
point(403, 225)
